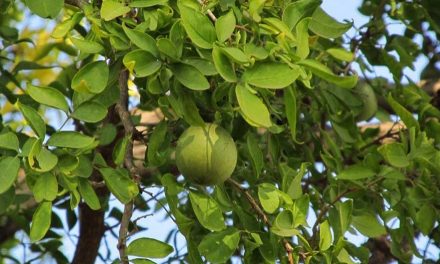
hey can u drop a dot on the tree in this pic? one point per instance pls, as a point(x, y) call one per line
point(275, 75)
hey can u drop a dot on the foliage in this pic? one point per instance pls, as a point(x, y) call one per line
point(276, 75)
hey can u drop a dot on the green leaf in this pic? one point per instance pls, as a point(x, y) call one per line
point(223, 65)
point(46, 187)
point(218, 247)
point(190, 77)
point(269, 198)
point(45, 9)
point(34, 119)
point(225, 26)
point(326, 26)
point(6, 199)
point(9, 167)
point(325, 236)
point(120, 150)
point(235, 54)
point(291, 110)
point(426, 218)
point(190, 111)
point(284, 224)
point(252, 108)
point(88, 194)
point(41, 159)
point(403, 113)
point(120, 184)
point(87, 46)
point(69, 139)
point(325, 73)
point(302, 35)
point(9, 140)
point(368, 225)
point(155, 155)
point(141, 63)
point(41, 221)
point(255, 8)
point(270, 75)
point(142, 40)
point(394, 154)
point(111, 9)
point(345, 213)
point(198, 26)
point(356, 172)
point(167, 47)
point(298, 10)
point(207, 211)
point(90, 111)
point(149, 248)
point(206, 67)
point(147, 3)
point(255, 152)
point(84, 168)
point(341, 54)
point(91, 78)
point(48, 96)
point(292, 179)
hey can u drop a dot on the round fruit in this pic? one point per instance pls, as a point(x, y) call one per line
point(369, 108)
point(206, 155)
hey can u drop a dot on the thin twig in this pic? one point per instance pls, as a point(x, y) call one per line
point(254, 204)
point(124, 115)
point(208, 11)
point(326, 207)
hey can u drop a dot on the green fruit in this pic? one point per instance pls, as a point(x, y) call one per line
point(206, 155)
point(369, 101)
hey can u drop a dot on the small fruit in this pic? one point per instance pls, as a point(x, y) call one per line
point(206, 155)
point(369, 108)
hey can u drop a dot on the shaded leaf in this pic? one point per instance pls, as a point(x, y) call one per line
point(218, 247)
point(394, 154)
point(207, 211)
point(9, 167)
point(189, 76)
point(356, 172)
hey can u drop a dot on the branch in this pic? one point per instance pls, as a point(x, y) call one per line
point(287, 247)
point(326, 207)
point(124, 115)
point(210, 14)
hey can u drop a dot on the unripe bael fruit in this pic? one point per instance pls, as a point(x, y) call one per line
point(206, 155)
point(369, 108)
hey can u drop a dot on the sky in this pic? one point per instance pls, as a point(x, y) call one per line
point(158, 227)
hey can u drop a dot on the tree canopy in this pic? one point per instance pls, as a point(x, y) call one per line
point(95, 94)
